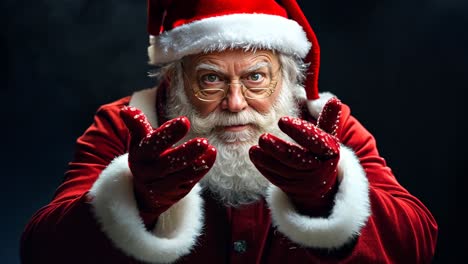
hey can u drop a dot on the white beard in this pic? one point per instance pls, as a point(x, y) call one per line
point(233, 179)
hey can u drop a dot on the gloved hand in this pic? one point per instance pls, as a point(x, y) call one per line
point(163, 174)
point(307, 172)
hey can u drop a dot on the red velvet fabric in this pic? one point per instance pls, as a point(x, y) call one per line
point(399, 230)
point(167, 15)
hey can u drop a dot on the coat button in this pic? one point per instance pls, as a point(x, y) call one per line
point(240, 246)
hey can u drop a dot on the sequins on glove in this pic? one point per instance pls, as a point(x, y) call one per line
point(164, 174)
point(306, 171)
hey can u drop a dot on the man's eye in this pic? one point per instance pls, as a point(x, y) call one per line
point(255, 77)
point(210, 78)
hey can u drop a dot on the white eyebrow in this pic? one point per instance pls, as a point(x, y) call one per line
point(208, 67)
point(257, 66)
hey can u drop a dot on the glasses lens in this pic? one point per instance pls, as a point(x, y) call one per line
point(260, 92)
point(257, 93)
point(210, 95)
point(251, 90)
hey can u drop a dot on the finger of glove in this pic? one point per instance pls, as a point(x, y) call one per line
point(329, 117)
point(290, 154)
point(137, 124)
point(183, 180)
point(199, 168)
point(183, 156)
point(288, 185)
point(309, 136)
point(157, 141)
point(171, 161)
point(167, 134)
point(289, 180)
point(274, 170)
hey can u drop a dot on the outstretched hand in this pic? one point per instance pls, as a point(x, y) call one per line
point(306, 171)
point(164, 174)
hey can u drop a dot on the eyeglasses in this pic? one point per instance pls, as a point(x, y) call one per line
point(214, 88)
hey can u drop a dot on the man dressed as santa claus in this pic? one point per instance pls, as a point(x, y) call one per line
point(234, 157)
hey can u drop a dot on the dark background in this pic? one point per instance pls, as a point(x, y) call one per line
point(399, 64)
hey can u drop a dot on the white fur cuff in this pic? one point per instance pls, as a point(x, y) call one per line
point(116, 210)
point(349, 214)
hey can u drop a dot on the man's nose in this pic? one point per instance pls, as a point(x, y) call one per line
point(234, 100)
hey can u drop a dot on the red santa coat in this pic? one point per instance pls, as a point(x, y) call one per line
point(93, 217)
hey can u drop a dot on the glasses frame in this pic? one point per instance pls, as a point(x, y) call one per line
point(270, 89)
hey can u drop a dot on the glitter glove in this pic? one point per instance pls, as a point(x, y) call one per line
point(163, 174)
point(307, 171)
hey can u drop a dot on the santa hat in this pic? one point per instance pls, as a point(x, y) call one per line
point(179, 28)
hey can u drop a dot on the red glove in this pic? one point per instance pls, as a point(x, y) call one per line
point(163, 175)
point(307, 172)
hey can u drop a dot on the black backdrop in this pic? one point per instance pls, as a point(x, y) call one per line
point(399, 64)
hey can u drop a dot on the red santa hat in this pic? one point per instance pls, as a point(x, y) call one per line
point(179, 28)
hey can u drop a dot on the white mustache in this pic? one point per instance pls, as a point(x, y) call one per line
point(207, 124)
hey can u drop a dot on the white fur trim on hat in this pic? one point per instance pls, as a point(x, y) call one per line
point(349, 214)
point(116, 210)
point(246, 31)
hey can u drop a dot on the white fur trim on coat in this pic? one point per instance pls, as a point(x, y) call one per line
point(116, 210)
point(246, 31)
point(349, 214)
